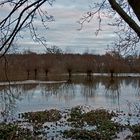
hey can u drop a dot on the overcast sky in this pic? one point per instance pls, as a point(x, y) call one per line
point(64, 33)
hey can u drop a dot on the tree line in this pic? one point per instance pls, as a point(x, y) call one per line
point(34, 66)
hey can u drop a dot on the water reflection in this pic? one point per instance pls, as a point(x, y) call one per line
point(89, 87)
point(61, 91)
point(8, 99)
point(113, 89)
point(97, 92)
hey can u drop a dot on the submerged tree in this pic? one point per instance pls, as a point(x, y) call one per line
point(21, 15)
point(127, 18)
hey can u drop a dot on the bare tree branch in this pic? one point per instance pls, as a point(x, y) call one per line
point(135, 5)
point(20, 17)
point(125, 16)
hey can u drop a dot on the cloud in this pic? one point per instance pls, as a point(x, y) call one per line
point(63, 31)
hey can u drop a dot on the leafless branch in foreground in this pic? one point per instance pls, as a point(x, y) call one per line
point(127, 19)
point(22, 15)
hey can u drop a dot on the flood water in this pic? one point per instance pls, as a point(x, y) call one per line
point(121, 93)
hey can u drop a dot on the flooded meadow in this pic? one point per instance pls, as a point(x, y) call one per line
point(20, 100)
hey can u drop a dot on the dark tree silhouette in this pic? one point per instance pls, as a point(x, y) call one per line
point(21, 16)
point(128, 21)
point(23, 13)
point(135, 5)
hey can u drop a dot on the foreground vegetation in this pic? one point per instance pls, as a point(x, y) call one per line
point(75, 123)
point(101, 119)
point(35, 66)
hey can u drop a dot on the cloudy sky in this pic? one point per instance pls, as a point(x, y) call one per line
point(64, 33)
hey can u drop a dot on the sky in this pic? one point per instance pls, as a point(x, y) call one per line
point(64, 33)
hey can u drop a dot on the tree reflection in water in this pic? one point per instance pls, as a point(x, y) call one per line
point(49, 90)
point(88, 88)
point(8, 97)
point(138, 91)
point(28, 90)
point(61, 91)
point(136, 85)
point(100, 91)
point(113, 89)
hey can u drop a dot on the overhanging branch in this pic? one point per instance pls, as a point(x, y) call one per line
point(125, 16)
point(26, 11)
point(135, 5)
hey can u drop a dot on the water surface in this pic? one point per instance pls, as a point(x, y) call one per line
point(98, 92)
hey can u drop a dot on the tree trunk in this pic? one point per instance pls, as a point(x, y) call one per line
point(28, 74)
point(46, 72)
point(70, 73)
point(35, 70)
point(135, 5)
point(115, 6)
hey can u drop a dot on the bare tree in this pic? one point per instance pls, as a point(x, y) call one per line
point(22, 16)
point(127, 18)
point(53, 50)
point(23, 13)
